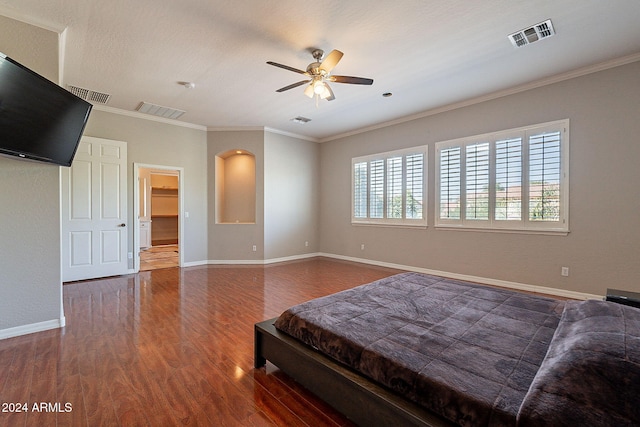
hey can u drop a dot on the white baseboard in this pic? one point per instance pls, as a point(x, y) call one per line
point(291, 258)
point(32, 328)
point(59, 323)
point(476, 279)
point(194, 263)
point(262, 261)
point(235, 262)
point(484, 280)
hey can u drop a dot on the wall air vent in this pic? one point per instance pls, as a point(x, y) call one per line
point(160, 111)
point(89, 95)
point(533, 34)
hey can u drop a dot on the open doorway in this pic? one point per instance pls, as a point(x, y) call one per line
point(159, 217)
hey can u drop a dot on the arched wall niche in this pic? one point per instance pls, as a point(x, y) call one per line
point(235, 185)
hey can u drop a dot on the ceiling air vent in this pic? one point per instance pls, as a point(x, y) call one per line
point(160, 111)
point(533, 34)
point(89, 95)
point(301, 120)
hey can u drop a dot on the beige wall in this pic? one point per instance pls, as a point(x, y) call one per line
point(30, 281)
point(232, 242)
point(303, 192)
point(33, 47)
point(287, 187)
point(291, 187)
point(161, 144)
point(238, 185)
point(603, 247)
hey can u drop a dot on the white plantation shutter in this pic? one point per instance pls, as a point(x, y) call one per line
point(508, 205)
point(544, 177)
point(510, 180)
point(394, 187)
point(389, 188)
point(450, 184)
point(360, 193)
point(415, 186)
point(376, 186)
point(477, 181)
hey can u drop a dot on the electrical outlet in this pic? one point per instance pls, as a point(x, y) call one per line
point(306, 243)
point(255, 248)
point(362, 247)
point(564, 271)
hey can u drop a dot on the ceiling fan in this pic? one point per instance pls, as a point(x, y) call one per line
point(319, 73)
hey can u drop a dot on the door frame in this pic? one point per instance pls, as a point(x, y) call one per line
point(136, 209)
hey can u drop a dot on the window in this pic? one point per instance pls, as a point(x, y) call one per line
point(511, 180)
point(390, 188)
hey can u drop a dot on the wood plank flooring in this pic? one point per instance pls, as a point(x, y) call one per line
point(159, 257)
point(170, 347)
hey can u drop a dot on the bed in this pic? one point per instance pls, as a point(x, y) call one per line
point(417, 349)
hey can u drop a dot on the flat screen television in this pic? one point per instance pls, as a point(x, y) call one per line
point(39, 120)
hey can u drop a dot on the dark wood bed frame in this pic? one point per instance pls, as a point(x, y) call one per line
point(358, 398)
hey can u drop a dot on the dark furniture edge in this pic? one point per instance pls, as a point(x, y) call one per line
point(357, 397)
point(629, 298)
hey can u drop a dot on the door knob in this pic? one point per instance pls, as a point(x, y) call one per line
point(122, 225)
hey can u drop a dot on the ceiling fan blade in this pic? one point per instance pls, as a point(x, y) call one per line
point(351, 80)
point(331, 60)
point(291, 86)
point(286, 67)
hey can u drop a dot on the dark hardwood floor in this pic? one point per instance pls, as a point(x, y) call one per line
point(170, 347)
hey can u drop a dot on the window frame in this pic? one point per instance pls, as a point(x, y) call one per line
point(524, 224)
point(385, 220)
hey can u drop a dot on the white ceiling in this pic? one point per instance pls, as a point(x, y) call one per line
point(428, 53)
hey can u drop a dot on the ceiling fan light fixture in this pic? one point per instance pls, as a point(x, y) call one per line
point(326, 93)
point(309, 91)
point(319, 88)
point(319, 73)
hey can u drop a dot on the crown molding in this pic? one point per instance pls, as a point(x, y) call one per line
point(291, 134)
point(138, 115)
point(579, 72)
point(477, 100)
point(23, 17)
point(261, 128)
point(234, 128)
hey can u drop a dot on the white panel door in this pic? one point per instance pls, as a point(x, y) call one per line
point(94, 211)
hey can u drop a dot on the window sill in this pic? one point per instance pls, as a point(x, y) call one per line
point(235, 223)
point(387, 224)
point(504, 230)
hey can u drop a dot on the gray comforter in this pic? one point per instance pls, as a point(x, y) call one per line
point(468, 352)
point(591, 373)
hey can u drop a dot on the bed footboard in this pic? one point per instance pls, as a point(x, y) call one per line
point(355, 396)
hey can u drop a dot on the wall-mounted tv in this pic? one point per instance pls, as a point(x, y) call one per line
point(39, 120)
